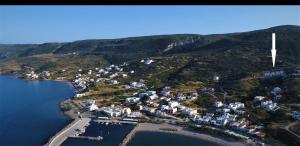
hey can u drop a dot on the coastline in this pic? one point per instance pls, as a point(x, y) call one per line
point(69, 117)
point(141, 127)
point(174, 129)
point(68, 82)
point(69, 114)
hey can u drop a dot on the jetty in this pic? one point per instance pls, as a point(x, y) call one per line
point(99, 138)
point(71, 130)
point(129, 136)
point(116, 122)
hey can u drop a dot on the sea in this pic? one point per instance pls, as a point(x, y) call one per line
point(30, 115)
point(29, 110)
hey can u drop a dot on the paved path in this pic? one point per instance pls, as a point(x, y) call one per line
point(68, 131)
point(291, 125)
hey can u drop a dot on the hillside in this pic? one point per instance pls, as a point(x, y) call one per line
point(232, 56)
point(183, 61)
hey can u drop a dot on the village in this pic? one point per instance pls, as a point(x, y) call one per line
point(168, 105)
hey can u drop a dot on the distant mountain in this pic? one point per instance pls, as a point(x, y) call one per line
point(233, 55)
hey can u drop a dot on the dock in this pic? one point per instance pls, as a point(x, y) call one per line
point(129, 136)
point(71, 130)
point(115, 122)
point(99, 138)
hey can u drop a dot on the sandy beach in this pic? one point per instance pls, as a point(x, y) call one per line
point(168, 128)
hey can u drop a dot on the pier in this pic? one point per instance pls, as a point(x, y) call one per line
point(99, 138)
point(129, 136)
point(116, 122)
point(71, 130)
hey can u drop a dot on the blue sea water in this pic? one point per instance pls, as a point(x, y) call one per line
point(30, 115)
point(112, 135)
point(29, 110)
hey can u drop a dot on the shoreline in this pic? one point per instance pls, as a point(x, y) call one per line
point(178, 130)
point(140, 127)
point(68, 82)
point(71, 117)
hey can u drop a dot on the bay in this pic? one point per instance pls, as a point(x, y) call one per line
point(29, 110)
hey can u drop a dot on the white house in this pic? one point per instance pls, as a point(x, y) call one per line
point(236, 105)
point(173, 110)
point(164, 107)
point(221, 121)
point(189, 111)
point(113, 75)
point(148, 61)
point(181, 97)
point(226, 110)
point(296, 115)
point(276, 90)
point(153, 96)
point(132, 100)
point(277, 97)
point(259, 98)
point(137, 84)
point(230, 117)
point(46, 73)
point(93, 107)
point(113, 82)
point(112, 112)
point(135, 115)
point(193, 96)
point(80, 95)
point(274, 74)
point(165, 92)
point(160, 114)
point(269, 105)
point(89, 102)
point(101, 70)
point(149, 110)
point(173, 104)
point(208, 90)
point(126, 111)
point(151, 92)
point(218, 104)
point(181, 107)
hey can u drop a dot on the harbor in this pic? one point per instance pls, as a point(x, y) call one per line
point(177, 130)
point(71, 130)
point(112, 133)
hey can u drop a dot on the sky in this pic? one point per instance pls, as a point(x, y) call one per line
point(41, 24)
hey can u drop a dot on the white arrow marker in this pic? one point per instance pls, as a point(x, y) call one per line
point(273, 51)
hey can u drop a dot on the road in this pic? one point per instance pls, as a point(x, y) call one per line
point(68, 131)
point(289, 126)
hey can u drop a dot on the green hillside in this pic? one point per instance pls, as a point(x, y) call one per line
point(232, 56)
point(188, 61)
